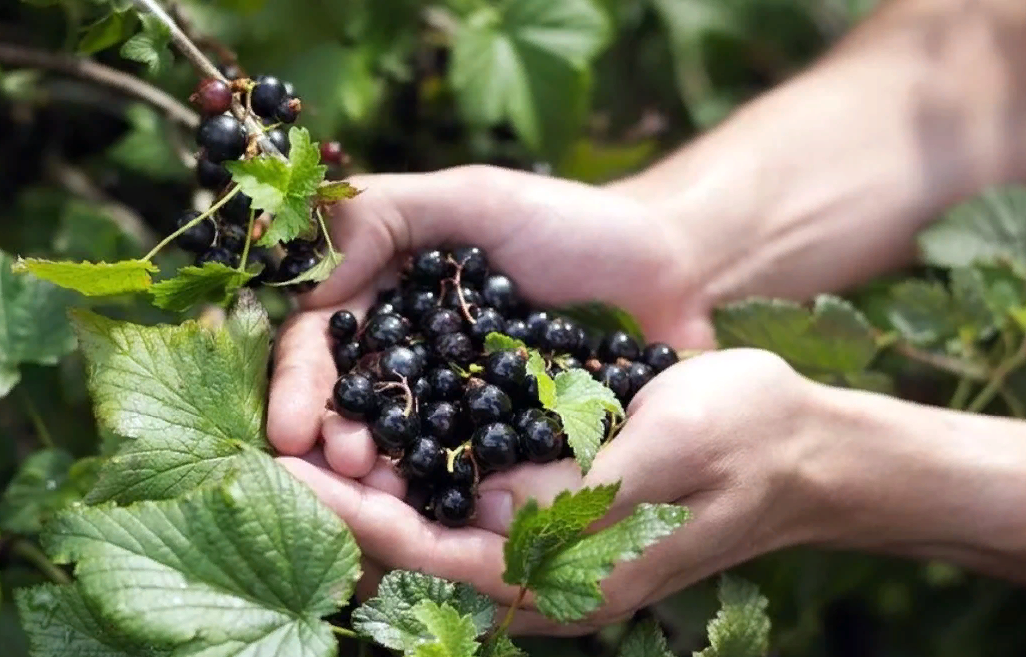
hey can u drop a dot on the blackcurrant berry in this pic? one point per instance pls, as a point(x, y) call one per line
point(618, 345)
point(524, 417)
point(472, 262)
point(441, 420)
point(258, 254)
point(384, 331)
point(267, 94)
point(199, 237)
point(280, 139)
point(537, 322)
point(222, 138)
point(418, 302)
point(398, 363)
point(332, 153)
point(540, 440)
point(294, 264)
point(615, 378)
point(659, 356)
point(288, 110)
point(506, 369)
point(428, 267)
point(499, 292)
point(418, 495)
point(453, 506)
point(385, 308)
point(211, 175)
point(421, 388)
point(424, 459)
point(517, 329)
point(488, 403)
point(464, 473)
point(528, 394)
point(441, 321)
point(212, 96)
point(420, 350)
point(354, 398)
point(236, 210)
point(290, 89)
point(495, 446)
point(454, 348)
point(342, 325)
point(582, 345)
point(559, 336)
point(394, 430)
point(220, 255)
point(346, 355)
point(486, 320)
point(446, 385)
point(232, 237)
point(639, 374)
point(471, 297)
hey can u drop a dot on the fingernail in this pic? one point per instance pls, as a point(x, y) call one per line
point(495, 511)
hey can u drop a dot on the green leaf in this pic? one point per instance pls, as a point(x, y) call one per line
point(92, 279)
point(88, 230)
point(833, 337)
point(59, 621)
point(453, 633)
point(603, 318)
point(741, 628)
point(41, 486)
point(319, 272)
point(645, 639)
point(106, 32)
point(389, 618)
point(336, 190)
point(33, 323)
point(500, 645)
point(546, 386)
point(150, 46)
point(499, 342)
point(146, 148)
point(247, 568)
point(990, 229)
point(926, 313)
point(263, 178)
point(211, 283)
point(582, 404)
point(185, 381)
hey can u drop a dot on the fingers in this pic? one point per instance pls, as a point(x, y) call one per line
point(348, 447)
point(502, 494)
point(383, 477)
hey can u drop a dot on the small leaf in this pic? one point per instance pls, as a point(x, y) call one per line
point(988, 229)
point(92, 279)
point(248, 568)
point(264, 179)
point(500, 645)
point(150, 46)
point(582, 404)
point(741, 628)
point(319, 272)
point(499, 342)
point(336, 190)
point(146, 148)
point(41, 486)
point(546, 386)
point(645, 639)
point(601, 318)
point(212, 283)
point(388, 617)
point(106, 32)
point(453, 634)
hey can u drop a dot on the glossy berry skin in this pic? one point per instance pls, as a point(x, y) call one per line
point(537, 322)
point(394, 430)
point(615, 378)
point(471, 297)
point(517, 329)
point(659, 356)
point(446, 385)
point(236, 209)
point(441, 321)
point(618, 345)
point(473, 264)
point(559, 336)
point(423, 355)
point(354, 398)
point(382, 332)
point(421, 389)
point(342, 325)
point(526, 416)
point(429, 267)
point(582, 346)
point(270, 270)
point(486, 320)
point(540, 440)
point(222, 138)
point(398, 363)
point(454, 348)
point(639, 375)
point(198, 238)
point(424, 459)
point(506, 369)
point(441, 420)
point(294, 264)
point(418, 302)
point(218, 254)
point(211, 175)
point(232, 237)
point(453, 506)
point(495, 446)
point(280, 139)
point(212, 96)
point(499, 292)
point(391, 296)
point(287, 111)
point(345, 355)
point(267, 94)
point(331, 153)
point(463, 471)
point(488, 403)
point(384, 308)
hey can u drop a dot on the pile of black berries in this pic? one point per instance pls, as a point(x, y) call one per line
point(416, 372)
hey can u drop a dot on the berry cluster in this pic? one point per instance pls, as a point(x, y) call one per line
point(417, 373)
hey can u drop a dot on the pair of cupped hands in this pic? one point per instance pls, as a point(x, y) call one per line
point(710, 433)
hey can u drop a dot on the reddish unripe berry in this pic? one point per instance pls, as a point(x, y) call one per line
point(212, 96)
point(331, 153)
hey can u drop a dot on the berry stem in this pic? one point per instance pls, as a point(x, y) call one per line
point(42, 433)
point(504, 627)
point(997, 379)
point(349, 634)
point(249, 238)
point(32, 554)
point(211, 210)
point(457, 281)
point(324, 229)
point(961, 395)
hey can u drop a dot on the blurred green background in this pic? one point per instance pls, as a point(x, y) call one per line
point(586, 89)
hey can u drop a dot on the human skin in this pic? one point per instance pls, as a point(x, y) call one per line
point(813, 187)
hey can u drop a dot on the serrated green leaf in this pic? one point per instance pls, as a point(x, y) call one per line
point(645, 639)
point(183, 380)
point(250, 567)
point(94, 279)
point(600, 318)
point(59, 621)
point(150, 46)
point(453, 634)
point(319, 272)
point(567, 585)
point(582, 403)
point(741, 628)
point(263, 178)
point(833, 337)
point(336, 190)
point(388, 617)
point(500, 645)
point(926, 313)
point(546, 386)
point(41, 487)
point(990, 229)
point(499, 342)
point(212, 283)
point(107, 31)
point(146, 147)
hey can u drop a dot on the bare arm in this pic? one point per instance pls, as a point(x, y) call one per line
point(824, 181)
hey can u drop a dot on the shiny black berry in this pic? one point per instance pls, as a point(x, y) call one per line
point(486, 320)
point(418, 302)
point(212, 96)
point(472, 262)
point(420, 350)
point(267, 94)
point(232, 237)
point(499, 292)
point(391, 296)
point(541, 441)
point(222, 138)
point(446, 385)
point(424, 459)
point(559, 336)
point(471, 297)
point(258, 254)
point(342, 325)
point(453, 506)
point(294, 264)
point(383, 331)
point(345, 355)
point(288, 110)
point(618, 345)
point(659, 356)
point(198, 238)
point(506, 369)
point(488, 403)
point(526, 416)
point(582, 345)
point(421, 389)
point(354, 398)
point(464, 473)
point(398, 363)
point(218, 254)
point(495, 446)
point(615, 378)
point(639, 374)
point(394, 430)
point(441, 420)
point(441, 321)
point(454, 348)
point(537, 322)
point(236, 210)
point(280, 139)
point(428, 267)
point(384, 308)
point(211, 175)
point(517, 329)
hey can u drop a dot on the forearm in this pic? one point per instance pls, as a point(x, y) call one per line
point(900, 478)
point(825, 181)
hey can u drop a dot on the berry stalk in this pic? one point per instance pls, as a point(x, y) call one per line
point(211, 210)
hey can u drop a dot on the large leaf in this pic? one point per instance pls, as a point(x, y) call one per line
point(94, 279)
point(212, 283)
point(741, 627)
point(246, 568)
point(990, 228)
